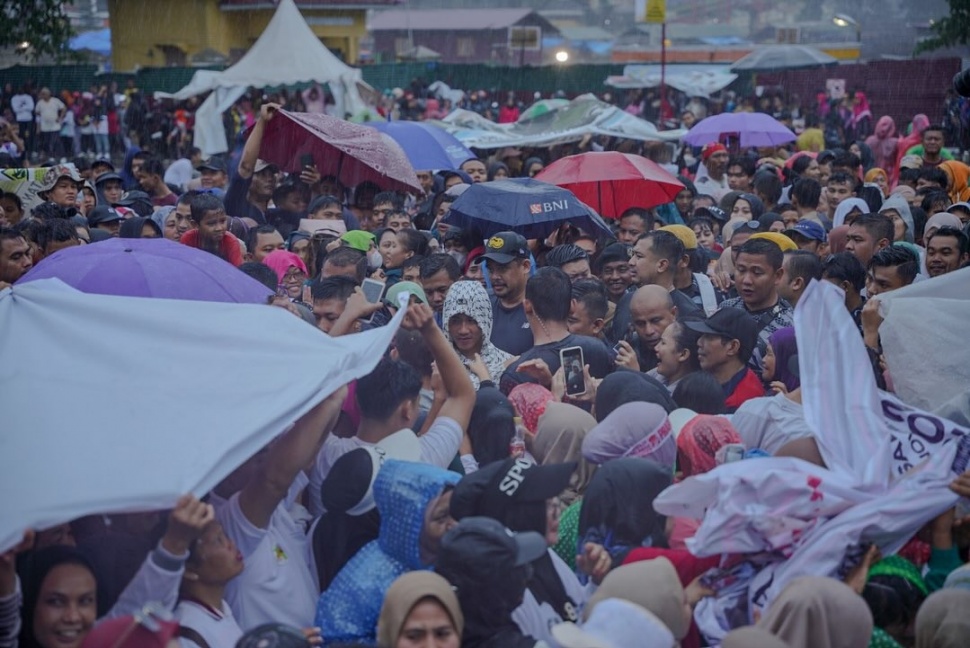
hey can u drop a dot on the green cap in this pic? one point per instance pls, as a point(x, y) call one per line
point(358, 239)
point(402, 287)
point(902, 568)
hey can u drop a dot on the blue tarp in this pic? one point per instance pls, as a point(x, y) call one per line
point(98, 41)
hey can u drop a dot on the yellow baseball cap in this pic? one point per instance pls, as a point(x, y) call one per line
point(684, 233)
point(778, 239)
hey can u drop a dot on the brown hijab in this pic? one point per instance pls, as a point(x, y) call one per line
point(559, 439)
point(942, 620)
point(752, 637)
point(653, 585)
point(405, 593)
point(817, 612)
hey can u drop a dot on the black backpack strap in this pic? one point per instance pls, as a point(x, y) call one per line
point(193, 636)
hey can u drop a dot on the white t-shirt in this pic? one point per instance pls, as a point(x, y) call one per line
point(48, 112)
point(23, 107)
point(770, 422)
point(276, 585)
point(217, 627)
point(179, 173)
point(439, 447)
point(67, 126)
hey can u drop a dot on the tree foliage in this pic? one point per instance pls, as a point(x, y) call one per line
point(950, 31)
point(36, 28)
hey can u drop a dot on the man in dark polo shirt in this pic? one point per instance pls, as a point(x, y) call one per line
point(507, 259)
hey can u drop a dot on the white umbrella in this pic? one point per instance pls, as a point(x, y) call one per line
point(783, 57)
point(114, 404)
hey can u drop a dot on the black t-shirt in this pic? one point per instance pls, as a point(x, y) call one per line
point(510, 328)
point(595, 353)
point(237, 202)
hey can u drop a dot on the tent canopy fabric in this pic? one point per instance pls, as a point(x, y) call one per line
point(783, 57)
point(114, 413)
point(97, 41)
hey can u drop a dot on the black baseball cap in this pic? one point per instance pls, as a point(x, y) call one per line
point(493, 489)
point(103, 163)
point(505, 247)
point(730, 323)
point(716, 213)
point(481, 544)
point(214, 163)
point(104, 177)
point(103, 214)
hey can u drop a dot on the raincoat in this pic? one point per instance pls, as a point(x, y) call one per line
point(469, 298)
point(883, 144)
point(349, 609)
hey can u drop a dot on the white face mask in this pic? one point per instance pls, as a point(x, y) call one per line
point(374, 260)
point(458, 256)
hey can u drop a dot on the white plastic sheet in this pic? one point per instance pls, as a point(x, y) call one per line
point(114, 404)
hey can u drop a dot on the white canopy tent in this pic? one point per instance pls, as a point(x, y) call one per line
point(286, 53)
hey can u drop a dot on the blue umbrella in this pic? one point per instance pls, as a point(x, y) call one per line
point(98, 41)
point(532, 208)
point(427, 147)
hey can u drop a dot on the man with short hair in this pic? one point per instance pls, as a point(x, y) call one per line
point(547, 303)
point(933, 138)
point(58, 233)
point(438, 272)
point(385, 204)
point(740, 173)
point(728, 339)
point(388, 399)
point(345, 262)
point(261, 241)
point(757, 272)
point(691, 277)
point(933, 178)
point(891, 268)
point(149, 177)
point(633, 223)
point(398, 220)
point(15, 257)
point(805, 195)
point(411, 269)
point(183, 213)
point(808, 235)
point(847, 272)
point(50, 113)
point(613, 268)
point(508, 264)
point(213, 173)
point(655, 259)
point(571, 259)
point(868, 234)
point(767, 186)
point(797, 271)
point(330, 297)
point(251, 189)
point(475, 168)
point(590, 309)
point(840, 186)
point(106, 218)
point(847, 163)
point(946, 251)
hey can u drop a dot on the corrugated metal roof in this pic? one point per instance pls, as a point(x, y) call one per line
point(455, 20)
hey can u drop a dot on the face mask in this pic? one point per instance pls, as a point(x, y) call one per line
point(458, 256)
point(374, 260)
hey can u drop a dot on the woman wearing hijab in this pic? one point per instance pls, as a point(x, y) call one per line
point(752, 637)
point(491, 428)
point(958, 174)
point(864, 153)
point(899, 211)
point(633, 430)
point(942, 621)
point(138, 227)
point(817, 612)
point(622, 386)
point(290, 270)
point(498, 171)
point(467, 318)
point(420, 606)
point(746, 208)
point(167, 221)
point(653, 585)
point(860, 124)
point(530, 401)
point(781, 362)
point(699, 442)
point(883, 143)
point(847, 207)
point(903, 144)
point(617, 510)
point(531, 167)
point(878, 178)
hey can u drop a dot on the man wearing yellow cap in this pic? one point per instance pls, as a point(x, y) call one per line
point(696, 285)
point(757, 273)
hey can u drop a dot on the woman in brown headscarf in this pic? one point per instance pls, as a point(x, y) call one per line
point(816, 612)
point(559, 439)
point(419, 605)
point(942, 620)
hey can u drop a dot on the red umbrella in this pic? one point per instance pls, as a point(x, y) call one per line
point(612, 182)
point(350, 152)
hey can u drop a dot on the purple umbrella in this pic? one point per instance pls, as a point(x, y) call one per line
point(754, 129)
point(150, 268)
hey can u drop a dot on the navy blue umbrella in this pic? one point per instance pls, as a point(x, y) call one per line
point(427, 147)
point(532, 208)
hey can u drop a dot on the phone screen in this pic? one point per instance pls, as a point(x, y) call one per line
point(306, 160)
point(373, 291)
point(572, 367)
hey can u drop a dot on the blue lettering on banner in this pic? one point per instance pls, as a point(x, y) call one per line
point(919, 433)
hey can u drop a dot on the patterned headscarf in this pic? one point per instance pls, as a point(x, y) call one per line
point(633, 430)
point(700, 440)
point(469, 298)
point(530, 400)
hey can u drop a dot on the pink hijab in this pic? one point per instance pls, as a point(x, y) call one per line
point(280, 261)
point(530, 400)
point(883, 144)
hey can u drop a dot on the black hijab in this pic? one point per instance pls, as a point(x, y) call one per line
point(492, 426)
point(617, 510)
point(132, 227)
point(624, 386)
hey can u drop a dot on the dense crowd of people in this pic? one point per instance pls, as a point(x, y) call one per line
point(492, 482)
